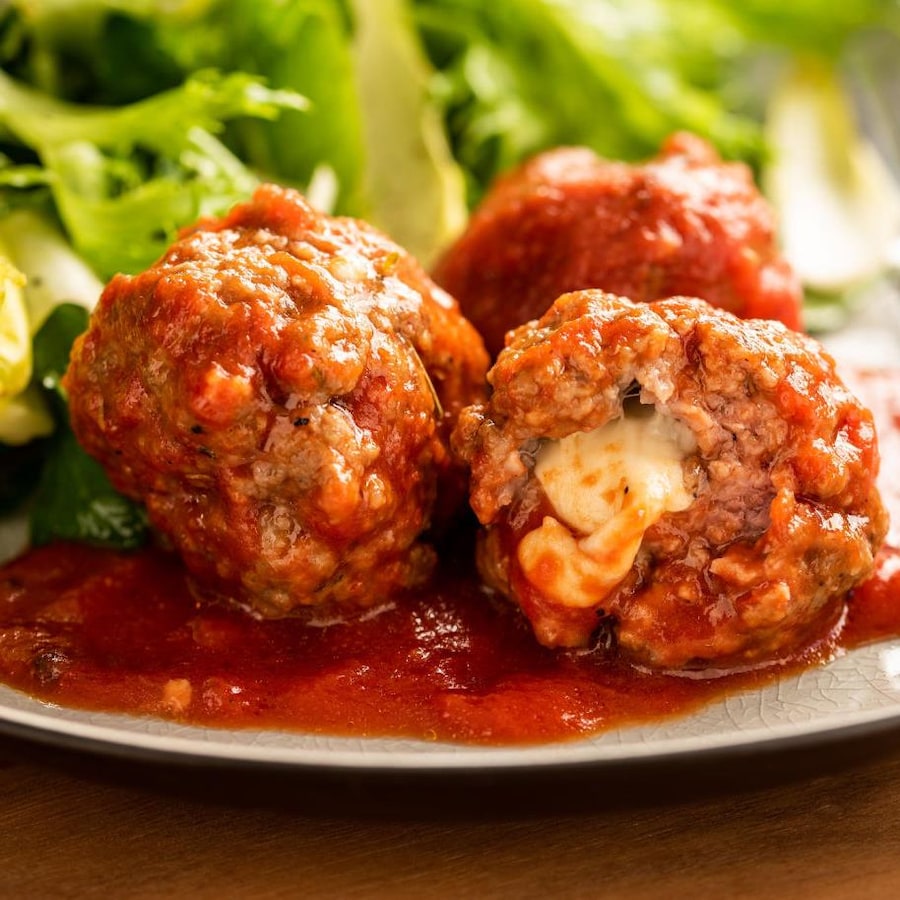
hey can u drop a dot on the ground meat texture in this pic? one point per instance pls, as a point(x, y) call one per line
point(279, 390)
point(746, 553)
point(684, 223)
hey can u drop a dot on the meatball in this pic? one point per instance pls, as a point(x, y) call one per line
point(684, 223)
point(699, 488)
point(279, 390)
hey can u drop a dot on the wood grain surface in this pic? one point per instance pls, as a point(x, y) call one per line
point(827, 825)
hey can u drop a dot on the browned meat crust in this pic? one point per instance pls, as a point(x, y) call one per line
point(278, 389)
point(785, 518)
point(684, 223)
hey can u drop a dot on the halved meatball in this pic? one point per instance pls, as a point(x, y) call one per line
point(684, 223)
point(279, 390)
point(700, 486)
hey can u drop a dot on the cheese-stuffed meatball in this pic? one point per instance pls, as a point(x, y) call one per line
point(278, 389)
point(699, 487)
point(684, 223)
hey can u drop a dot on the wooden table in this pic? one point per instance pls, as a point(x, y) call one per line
point(814, 822)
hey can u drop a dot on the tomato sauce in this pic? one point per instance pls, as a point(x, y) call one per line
point(122, 632)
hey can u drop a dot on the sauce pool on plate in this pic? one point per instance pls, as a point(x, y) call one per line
point(121, 632)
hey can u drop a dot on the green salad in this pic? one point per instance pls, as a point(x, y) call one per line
point(122, 121)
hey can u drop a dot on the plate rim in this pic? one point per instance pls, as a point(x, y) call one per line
point(50, 724)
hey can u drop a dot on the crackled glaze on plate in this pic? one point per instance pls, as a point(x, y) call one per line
point(859, 690)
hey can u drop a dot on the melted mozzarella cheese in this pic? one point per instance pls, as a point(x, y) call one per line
point(607, 487)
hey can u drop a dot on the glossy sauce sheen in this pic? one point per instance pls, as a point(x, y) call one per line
point(122, 632)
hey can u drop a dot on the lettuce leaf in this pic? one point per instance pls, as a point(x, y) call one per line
point(52, 271)
point(810, 27)
point(125, 179)
point(42, 271)
point(373, 125)
point(520, 76)
point(117, 52)
point(618, 76)
point(415, 190)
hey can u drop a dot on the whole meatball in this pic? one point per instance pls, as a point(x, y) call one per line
point(699, 487)
point(684, 223)
point(278, 389)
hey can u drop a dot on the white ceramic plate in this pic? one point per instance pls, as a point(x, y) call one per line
point(857, 692)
